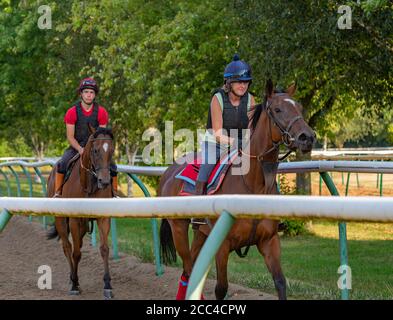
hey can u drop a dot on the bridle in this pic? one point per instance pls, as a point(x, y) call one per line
point(286, 137)
point(93, 170)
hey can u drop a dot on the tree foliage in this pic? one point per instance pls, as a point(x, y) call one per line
point(160, 60)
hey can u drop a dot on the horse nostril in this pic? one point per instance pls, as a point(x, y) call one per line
point(303, 137)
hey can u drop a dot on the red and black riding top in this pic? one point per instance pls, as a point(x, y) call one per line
point(78, 116)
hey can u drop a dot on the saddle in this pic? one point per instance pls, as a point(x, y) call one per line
point(189, 174)
point(70, 166)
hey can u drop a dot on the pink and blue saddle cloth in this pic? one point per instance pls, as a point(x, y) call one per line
point(190, 173)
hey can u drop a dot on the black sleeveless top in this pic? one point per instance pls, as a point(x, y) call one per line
point(233, 117)
point(81, 126)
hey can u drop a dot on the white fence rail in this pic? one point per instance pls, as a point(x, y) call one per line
point(240, 206)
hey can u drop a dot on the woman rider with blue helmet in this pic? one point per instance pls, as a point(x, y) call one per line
point(228, 111)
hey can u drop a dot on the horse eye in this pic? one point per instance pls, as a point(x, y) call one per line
point(277, 110)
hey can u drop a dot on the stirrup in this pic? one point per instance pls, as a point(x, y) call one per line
point(198, 221)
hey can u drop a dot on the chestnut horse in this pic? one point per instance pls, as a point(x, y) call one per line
point(89, 178)
point(277, 121)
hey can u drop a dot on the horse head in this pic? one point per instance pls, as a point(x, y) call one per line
point(285, 113)
point(97, 157)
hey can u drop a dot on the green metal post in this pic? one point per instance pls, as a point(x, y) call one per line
point(347, 186)
point(381, 184)
point(94, 235)
point(42, 180)
point(18, 192)
point(320, 185)
point(43, 185)
point(342, 178)
point(154, 225)
point(357, 179)
point(27, 174)
point(205, 257)
point(342, 229)
point(7, 181)
point(5, 216)
point(114, 239)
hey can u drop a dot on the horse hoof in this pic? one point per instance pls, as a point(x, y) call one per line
point(108, 294)
point(74, 292)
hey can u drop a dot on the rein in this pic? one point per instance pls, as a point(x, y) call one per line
point(286, 136)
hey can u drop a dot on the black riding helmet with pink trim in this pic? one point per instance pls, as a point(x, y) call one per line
point(88, 83)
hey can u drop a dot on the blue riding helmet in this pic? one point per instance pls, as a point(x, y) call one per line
point(237, 70)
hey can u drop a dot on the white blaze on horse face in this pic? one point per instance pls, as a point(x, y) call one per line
point(105, 146)
point(291, 101)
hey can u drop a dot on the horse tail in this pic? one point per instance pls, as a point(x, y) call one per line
point(52, 233)
point(168, 250)
point(91, 226)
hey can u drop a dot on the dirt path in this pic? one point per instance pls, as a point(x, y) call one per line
point(23, 248)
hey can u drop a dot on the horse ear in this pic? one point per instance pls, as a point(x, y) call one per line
point(291, 89)
point(91, 128)
point(269, 88)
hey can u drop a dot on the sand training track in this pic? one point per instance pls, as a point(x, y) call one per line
point(23, 248)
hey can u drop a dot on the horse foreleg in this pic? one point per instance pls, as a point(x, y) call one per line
point(76, 254)
point(271, 251)
point(196, 246)
point(83, 228)
point(104, 225)
point(222, 272)
point(62, 231)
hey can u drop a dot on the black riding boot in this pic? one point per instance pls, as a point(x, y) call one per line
point(200, 190)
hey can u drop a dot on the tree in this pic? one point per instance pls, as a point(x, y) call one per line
point(300, 41)
point(34, 87)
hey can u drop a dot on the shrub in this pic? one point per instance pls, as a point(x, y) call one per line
point(291, 227)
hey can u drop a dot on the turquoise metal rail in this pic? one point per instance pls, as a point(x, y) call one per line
point(342, 230)
point(219, 233)
point(312, 166)
point(5, 216)
point(156, 241)
point(23, 165)
point(206, 256)
point(7, 182)
point(43, 185)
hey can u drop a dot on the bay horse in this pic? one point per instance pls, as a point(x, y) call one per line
point(278, 120)
point(89, 178)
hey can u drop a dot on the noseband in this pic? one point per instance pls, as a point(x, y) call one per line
point(286, 137)
point(93, 170)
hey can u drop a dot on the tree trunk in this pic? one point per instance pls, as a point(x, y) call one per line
point(37, 145)
point(303, 180)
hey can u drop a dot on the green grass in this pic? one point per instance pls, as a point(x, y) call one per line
point(310, 262)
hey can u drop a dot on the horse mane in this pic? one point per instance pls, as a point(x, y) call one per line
point(262, 106)
point(257, 113)
point(102, 130)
